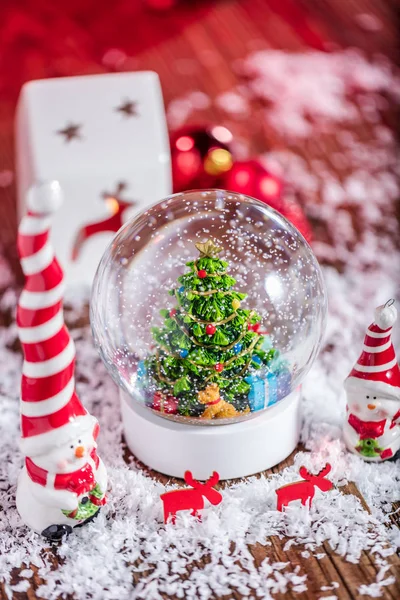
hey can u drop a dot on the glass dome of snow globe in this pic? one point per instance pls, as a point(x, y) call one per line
point(208, 308)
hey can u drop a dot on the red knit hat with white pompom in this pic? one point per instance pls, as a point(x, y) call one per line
point(377, 366)
point(51, 412)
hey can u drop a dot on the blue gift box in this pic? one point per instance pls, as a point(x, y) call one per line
point(143, 387)
point(267, 388)
point(256, 394)
point(141, 370)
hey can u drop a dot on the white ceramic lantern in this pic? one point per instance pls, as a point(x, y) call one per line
point(104, 139)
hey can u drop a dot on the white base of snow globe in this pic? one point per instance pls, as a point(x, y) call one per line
point(235, 450)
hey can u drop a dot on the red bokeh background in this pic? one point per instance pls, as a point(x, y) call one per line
point(44, 38)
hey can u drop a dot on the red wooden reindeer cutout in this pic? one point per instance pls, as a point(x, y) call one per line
point(304, 490)
point(190, 499)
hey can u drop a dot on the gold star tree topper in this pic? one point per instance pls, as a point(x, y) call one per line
point(208, 248)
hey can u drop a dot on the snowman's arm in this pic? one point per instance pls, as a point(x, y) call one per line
point(61, 499)
point(392, 431)
point(101, 476)
point(351, 434)
point(396, 420)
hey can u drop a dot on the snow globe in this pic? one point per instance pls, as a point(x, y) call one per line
point(208, 310)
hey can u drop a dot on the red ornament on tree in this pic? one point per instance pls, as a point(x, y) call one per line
point(251, 178)
point(210, 329)
point(219, 367)
point(172, 312)
point(202, 274)
point(199, 156)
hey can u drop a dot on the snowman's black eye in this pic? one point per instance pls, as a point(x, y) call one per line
point(72, 447)
point(79, 442)
point(367, 397)
point(374, 397)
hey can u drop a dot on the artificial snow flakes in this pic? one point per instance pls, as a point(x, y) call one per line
point(309, 92)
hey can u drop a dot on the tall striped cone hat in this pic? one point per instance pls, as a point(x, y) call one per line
point(51, 412)
point(377, 366)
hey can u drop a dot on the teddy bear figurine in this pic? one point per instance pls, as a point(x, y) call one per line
point(216, 407)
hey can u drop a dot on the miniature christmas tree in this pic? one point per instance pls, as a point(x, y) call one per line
point(208, 343)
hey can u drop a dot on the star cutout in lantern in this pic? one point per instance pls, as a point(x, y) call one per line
point(70, 132)
point(208, 248)
point(128, 109)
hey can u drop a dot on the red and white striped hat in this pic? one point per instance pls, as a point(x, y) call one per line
point(377, 365)
point(51, 412)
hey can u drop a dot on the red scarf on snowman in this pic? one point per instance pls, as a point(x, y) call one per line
point(367, 429)
point(81, 481)
point(371, 429)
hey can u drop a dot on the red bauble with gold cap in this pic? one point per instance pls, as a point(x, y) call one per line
point(252, 179)
point(200, 156)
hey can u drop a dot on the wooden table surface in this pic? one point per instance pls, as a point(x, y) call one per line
point(199, 57)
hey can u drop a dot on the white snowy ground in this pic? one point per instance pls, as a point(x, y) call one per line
point(129, 535)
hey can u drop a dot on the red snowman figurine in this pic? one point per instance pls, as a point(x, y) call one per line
point(63, 481)
point(372, 427)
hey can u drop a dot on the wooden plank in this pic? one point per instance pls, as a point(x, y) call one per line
point(395, 515)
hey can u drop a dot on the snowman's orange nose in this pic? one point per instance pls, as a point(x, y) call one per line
point(371, 406)
point(79, 451)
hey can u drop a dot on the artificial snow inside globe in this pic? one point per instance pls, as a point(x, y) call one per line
point(208, 310)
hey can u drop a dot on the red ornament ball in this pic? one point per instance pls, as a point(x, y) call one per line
point(219, 367)
point(172, 312)
point(202, 274)
point(199, 156)
point(210, 329)
point(251, 178)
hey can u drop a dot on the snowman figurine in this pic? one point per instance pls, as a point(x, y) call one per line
point(372, 426)
point(63, 482)
point(64, 486)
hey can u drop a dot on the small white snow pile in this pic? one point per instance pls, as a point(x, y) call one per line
point(302, 93)
point(310, 91)
point(128, 542)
